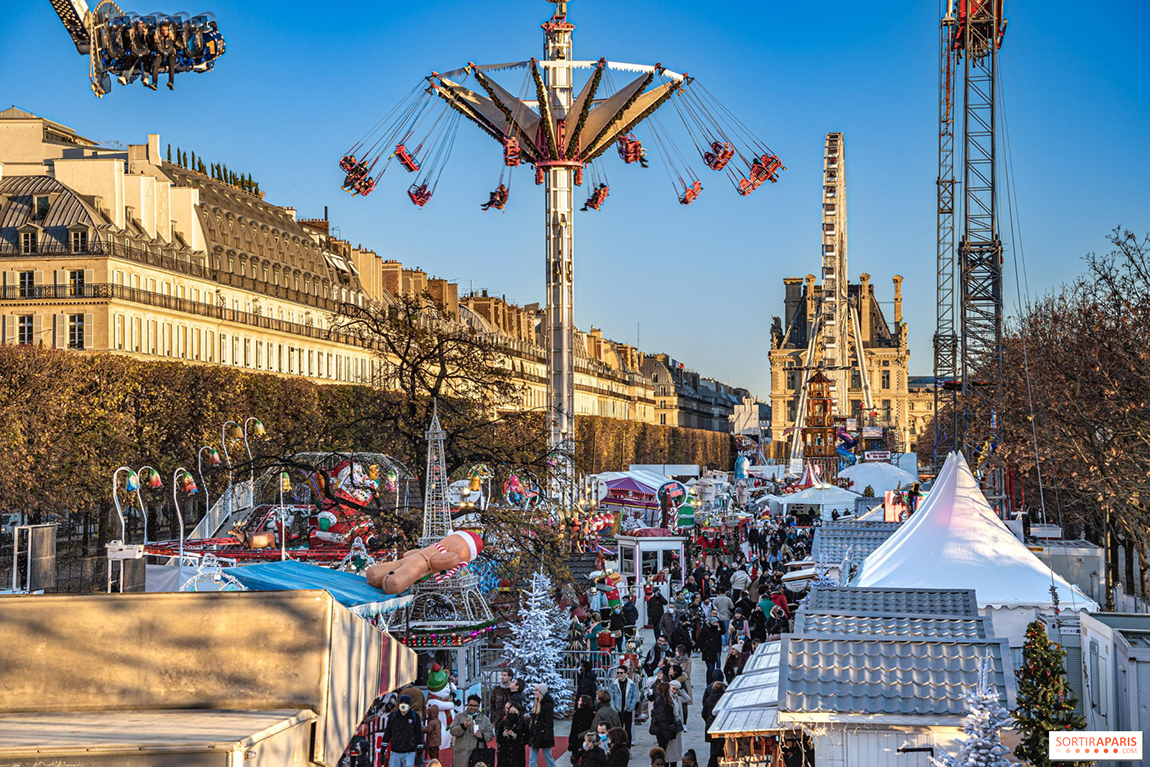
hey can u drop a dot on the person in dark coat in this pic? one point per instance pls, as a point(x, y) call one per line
point(541, 737)
point(681, 636)
point(511, 739)
point(663, 723)
point(630, 612)
point(585, 683)
point(668, 623)
point(580, 723)
point(500, 695)
point(604, 712)
point(711, 644)
point(656, 606)
point(711, 697)
point(618, 748)
point(590, 754)
point(404, 733)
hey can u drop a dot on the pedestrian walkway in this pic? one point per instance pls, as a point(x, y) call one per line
point(644, 741)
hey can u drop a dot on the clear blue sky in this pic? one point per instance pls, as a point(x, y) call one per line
point(301, 82)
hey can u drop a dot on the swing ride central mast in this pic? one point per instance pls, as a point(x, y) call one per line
point(559, 215)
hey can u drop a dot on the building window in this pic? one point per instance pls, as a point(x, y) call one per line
point(41, 210)
point(27, 284)
point(886, 410)
point(25, 331)
point(790, 380)
point(80, 241)
point(662, 419)
point(76, 282)
point(27, 243)
point(856, 380)
point(886, 379)
point(75, 331)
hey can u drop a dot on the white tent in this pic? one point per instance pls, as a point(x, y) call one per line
point(956, 541)
point(826, 497)
point(881, 476)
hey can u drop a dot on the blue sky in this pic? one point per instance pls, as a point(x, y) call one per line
point(301, 82)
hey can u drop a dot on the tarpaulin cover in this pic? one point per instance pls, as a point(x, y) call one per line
point(955, 540)
point(350, 590)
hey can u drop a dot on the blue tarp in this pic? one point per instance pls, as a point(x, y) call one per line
point(350, 590)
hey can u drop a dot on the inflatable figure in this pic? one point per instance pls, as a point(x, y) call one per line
point(444, 559)
point(441, 694)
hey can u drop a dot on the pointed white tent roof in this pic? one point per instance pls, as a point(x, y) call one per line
point(827, 497)
point(881, 476)
point(955, 540)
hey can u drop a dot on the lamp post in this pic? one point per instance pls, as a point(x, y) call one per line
point(149, 475)
point(181, 480)
point(213, 460)
point(285, 487)
point(257, 431)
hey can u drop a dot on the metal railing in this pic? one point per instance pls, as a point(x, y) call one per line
point(491, 665)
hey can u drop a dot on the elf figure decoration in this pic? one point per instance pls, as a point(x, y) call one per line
point(441, 694)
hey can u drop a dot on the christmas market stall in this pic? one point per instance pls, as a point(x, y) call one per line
point(645, 559)
point(633, 497)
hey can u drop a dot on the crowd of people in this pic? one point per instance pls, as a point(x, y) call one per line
point(729, 604)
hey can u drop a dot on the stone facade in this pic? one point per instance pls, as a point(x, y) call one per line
point(884, 347)
point(121, 250)
point(685, 398)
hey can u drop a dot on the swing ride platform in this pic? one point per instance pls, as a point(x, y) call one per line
point(219, 678)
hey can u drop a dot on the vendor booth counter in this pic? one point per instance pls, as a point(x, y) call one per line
point(223, 678)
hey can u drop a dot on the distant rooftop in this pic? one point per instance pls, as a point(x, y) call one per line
point(893, 601)
point(939, 627)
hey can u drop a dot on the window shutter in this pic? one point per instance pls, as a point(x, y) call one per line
point(89, 329)
point(37, 328)
point(89, 278)
point(60, 277)
point(10, 321)
point(38, 277)
point(11, 284)
point(59, 331)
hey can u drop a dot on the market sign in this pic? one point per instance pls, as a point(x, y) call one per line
point(872, 432)
point(877, 455)
point(672, 494)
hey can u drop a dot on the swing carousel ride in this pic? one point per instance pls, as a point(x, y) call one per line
point(565, 129)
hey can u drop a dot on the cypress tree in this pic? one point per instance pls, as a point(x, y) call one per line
point(201, 168)
point(1045, 701)
point(169, 152)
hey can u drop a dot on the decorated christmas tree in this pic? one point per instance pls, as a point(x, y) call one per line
point(1045, 701)
point(534, 649)
point(985, 719)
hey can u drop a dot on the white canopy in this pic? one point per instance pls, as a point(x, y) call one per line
point(955, 541)
point(826, 497)
point(879, 475)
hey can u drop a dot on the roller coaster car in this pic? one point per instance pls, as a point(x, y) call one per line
point(511, 152)
point(720, 154)
point(124, 50)
point(419, 194)
point(405, 159)
point(691, 193)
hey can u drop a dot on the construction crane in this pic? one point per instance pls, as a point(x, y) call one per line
point(835, 345)
point(125, 45)
point(970, 361)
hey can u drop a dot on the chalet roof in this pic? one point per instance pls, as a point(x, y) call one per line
point(935, 626)
point(899, 601)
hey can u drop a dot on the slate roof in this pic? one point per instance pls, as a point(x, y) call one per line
point(850, 600)
point(832, 541)
point(939, 627)
point(899, 677)
point(68, 208)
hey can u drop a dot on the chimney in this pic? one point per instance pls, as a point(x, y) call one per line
point(291, 212)
point(325, 213)
point(154, 148)
point(897, 300)
point(866, 298)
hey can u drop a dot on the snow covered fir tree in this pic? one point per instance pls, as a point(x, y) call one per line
point(534, 649)
point(1045, 701)
point(986, 717)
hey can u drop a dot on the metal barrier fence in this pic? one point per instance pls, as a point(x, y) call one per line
point(492, 664)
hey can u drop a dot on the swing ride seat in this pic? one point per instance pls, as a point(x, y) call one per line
point(578, 177)
point(691, 193)
point(419, 194)
point(746, 186)
point(766, 168)
point(720, 154)
point(630, 149)
point(511, 152)
point(405, 159)
point(348, 163)
point(598, 197)
point(539, 176)
point(497, 199)
point(365, 186)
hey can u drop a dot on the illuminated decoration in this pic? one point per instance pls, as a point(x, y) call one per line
point(214, 457)
point(133, 482)
point(446, 638)
point(258, 428)
point(357, 560)
point(236, 432)
point(285, 483)
point(151, 477)
point(188, 484)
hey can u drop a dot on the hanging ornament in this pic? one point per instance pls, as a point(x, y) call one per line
point(285, 482)
point(214, 457)
point(258, 428)
point(133, 483)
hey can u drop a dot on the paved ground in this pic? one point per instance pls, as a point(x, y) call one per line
point(643, 740)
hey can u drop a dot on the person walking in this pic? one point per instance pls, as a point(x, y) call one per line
point(585, 682)
point(679, 699)
point(668, 623)
point(541, 738)
point(711, 645)
point(664, 726)
point(511, 739)
point(605, 713)
point(656, 606)
point(624, 699)
point(470, 732)
point(432, 733)
point(404, 734)
point(683, 661)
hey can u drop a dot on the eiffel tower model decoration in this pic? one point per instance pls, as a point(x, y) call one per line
point(444, 611)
